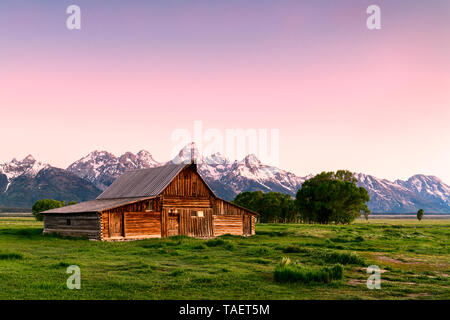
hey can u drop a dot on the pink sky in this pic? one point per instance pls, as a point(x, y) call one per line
point(342, 96)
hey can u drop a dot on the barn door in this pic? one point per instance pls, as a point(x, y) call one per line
point(247, 225)
point(173, 226)
point(116, 224)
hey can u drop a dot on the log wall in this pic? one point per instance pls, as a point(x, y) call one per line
point(137, 221)
point(73, 225)
point(228, 224)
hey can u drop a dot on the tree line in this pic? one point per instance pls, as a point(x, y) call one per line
point(329, 197)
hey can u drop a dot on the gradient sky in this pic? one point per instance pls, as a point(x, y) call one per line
point(342, 96)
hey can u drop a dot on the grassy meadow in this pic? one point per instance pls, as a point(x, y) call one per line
point(414, 257)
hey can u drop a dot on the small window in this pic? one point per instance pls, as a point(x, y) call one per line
point(198, 214)
point(173, 210)
point(150, 206)
point(68, 222)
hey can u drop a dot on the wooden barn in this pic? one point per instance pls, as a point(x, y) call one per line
point(151, 203)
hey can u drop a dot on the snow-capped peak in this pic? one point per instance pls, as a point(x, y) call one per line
point(252, 161)
point(187, 154)
point(102, 167)
point(27, 166)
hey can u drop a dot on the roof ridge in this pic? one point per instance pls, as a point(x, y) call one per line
point(143, 182)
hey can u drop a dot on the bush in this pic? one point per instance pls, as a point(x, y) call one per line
point(258, 251)
point(229, 246)
point(293, 249)
point(288, 272)
point(43, 205)
point(10, 256)
point(343, 258)
point(176, 273)
point(420, 214)
point(215, 242)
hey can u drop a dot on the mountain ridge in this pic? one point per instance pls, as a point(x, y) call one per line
point(227, 178)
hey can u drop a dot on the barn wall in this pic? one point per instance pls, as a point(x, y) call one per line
point(231, 219)
point(187, 183)
point(142, 224)
point(222, 207)
point(196, 226)
point(186, 202)
point(228, 224)
point(137, 222)
point(81, 225)
point(253, 225)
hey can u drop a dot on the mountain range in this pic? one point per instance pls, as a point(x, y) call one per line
point(23, 182)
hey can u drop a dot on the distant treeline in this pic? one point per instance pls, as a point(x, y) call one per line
point(272, 206)
point(329, 197)
point(8, 209)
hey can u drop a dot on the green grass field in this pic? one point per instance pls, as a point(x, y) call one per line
point(414, 258)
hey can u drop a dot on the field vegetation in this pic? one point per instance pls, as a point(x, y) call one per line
point(282, 261)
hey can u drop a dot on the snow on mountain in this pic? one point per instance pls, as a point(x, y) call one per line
point(24, 182)
point(14, 169)
point(226, 177)
point(102, 167)
point(400, 196)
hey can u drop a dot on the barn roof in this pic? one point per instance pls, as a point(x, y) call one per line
point(95, 205)
point(143, 182)
point(133, 186)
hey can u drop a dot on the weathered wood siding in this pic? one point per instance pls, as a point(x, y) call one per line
point(173, 202)
point(228, 224)
point(143, 224)
point(247, 221)
point(173, 226)
point(137, 222)
point(231, 219)
point(201, 227)
point(73, 225)
point(187, 183)
point(253, 225)
point(224, 207)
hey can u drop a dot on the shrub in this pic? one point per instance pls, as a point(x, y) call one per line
point(288, 272)
point(10, 256)
point(293, 249)
point(176, 273)
point(229, 246)
point(420, 214)
point(199, 246)
point(47, 204)
point(258, 251)
point(63, 264)
point(343, 258)
point(215, 242)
